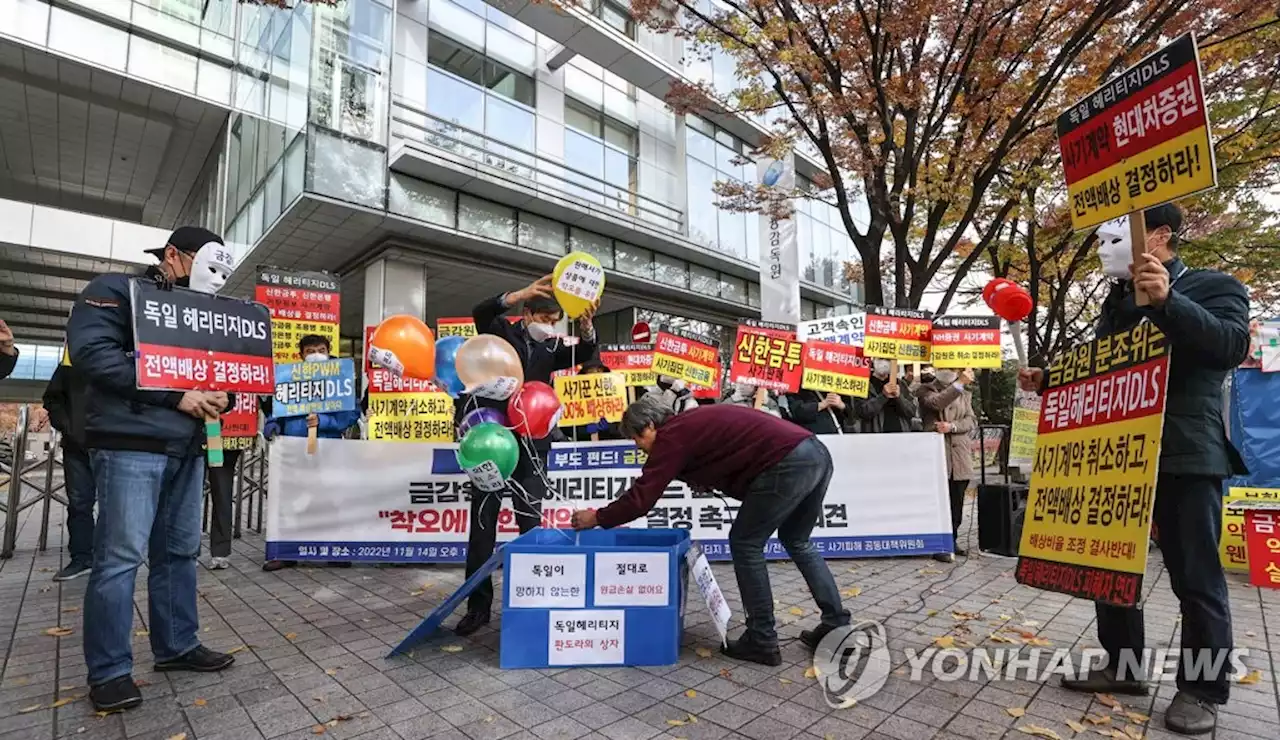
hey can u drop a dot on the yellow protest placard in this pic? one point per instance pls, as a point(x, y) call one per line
point(1234, 554)
point(589, 398)
point(897, 334)
point(455, 327)
point(1022, 435)
point(687, 356)
point(966, 341)
point(411, 417)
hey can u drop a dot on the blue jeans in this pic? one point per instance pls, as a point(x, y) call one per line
point(787, 498)
point(148, 506)
point(78, 474)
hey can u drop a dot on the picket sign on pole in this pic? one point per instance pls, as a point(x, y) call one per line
point(1138, 241)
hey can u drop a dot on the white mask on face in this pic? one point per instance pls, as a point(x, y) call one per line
point(881, 368)
point(540, 332)
point(744, 390)
point(316, 357)
point(212, 265)
point(1115, 250)
point(947, 376)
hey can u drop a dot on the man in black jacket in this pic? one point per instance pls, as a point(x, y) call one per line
point(65, 399)
point(1205, 315)
point(148, 463)
point(889, 406)
point(8, 351)
point(541, 353)
point(820, 413)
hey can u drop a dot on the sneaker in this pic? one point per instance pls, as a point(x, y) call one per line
point(470, 623)
point(747, 650)
point(1188, 715)
point(115, 695)
point(73, 571)
point(219, 563)
point(944, 557)
point(199, 659)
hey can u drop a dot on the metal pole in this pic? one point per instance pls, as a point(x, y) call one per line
point(15, 485)
point(48, 492)
point(261, 492)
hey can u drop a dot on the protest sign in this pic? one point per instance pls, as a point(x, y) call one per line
point(767, 356)
point(240, 423)
point(1261, 520)
point(966, 341)
point(700, 571)
point(304, 388)
point(634, 361)
point(1022, 436)
point(836, 368)
point(897, 334)
point(455, 327)
point(688, 356)
point(1140, 140)
point(586, 399)
point(1093, 480)
point(301, 303)
point(405, 409)
point(847, 329)
point(188, 341)
point(1233, 550)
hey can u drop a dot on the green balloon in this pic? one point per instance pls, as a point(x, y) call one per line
point(490, 441)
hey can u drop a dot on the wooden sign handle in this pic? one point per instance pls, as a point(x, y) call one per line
point(312, 444)
point(762, 397)
point(1138, 237)
point(213, 441)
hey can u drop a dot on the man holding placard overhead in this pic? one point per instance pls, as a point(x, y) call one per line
point(542, 352)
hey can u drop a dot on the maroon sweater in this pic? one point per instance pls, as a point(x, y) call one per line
point(719, 448)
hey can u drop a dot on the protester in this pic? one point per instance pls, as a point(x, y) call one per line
point(8, 351)
point(888, 407)
point(1205, 315)
point(744, 394)
point(331, 425)
point(671, 391)
point(602, 429)
point(65, 400)
point(541, 353)
point(946, 407)
point(148, 465)
point(820, 413)
point(222, 482)
point(778, 471)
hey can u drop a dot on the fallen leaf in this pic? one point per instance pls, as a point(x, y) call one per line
point(677, 722)
point(785, 681)
point(796, 611)
point(811, 672)
point(70, 609)
point(1005, 617)
point(331, 672)
point(141, 633)
point(1250, 678)
point(846, 702)
point(930, 572)
point(1039, 642)
point(1109, 701)
point(179, 736)
point(418, 592)
point(850, 593)
point(451, 649)
point(1137, 718)
point(702, 652)
point(107, 713)
point(237, 649)
point(1038, 731)
point(200, 702)
point(490, 719)
point(724, 673)
point(1015, 711)
point(58, 631)
point(64, 701)
point(931, 613)
point(691, 694)
point(1002, 639)
point(964, 616)
point(32, 708)
point(1076, 726)
point(291, 636)
point(945, 642)
point(1096, 720)
point(1030, 623)
point(317, 730)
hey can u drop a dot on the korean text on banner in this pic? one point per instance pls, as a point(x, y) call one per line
point(1022, 435)
point(634, 361)
point(304, 388)
point(897, 334)
point(688, 356)
point(847, 329)
point(700, 570)
point(966, 341)
point(240, 423)
point(455, 327)
point(780, 253)
point(301, 303)
point(586, 399)
point(768, 356)
point(1261, 525)
point(1140, 140)
point(836, 368)
point(405, 409)
point(188, 341)
point(1094, 476)
point(1234, 552)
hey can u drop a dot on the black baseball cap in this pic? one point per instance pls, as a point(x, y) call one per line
point(187, 239)
point(1163, 215)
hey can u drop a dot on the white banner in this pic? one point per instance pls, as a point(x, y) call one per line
point(848, 329)
point(416, 509)
point(779, 252)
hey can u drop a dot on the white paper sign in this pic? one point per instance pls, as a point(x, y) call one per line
point(849, 329)
point(547, 581)
point(582, 279)
point(700, 569)
point(487, 477)
point(632, 579)
point(498, 389)
point(386, 359)
point(586, 637)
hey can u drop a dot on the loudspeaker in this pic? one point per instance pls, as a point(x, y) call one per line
point(1001, 507)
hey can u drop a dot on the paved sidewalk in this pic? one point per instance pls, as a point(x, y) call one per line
point(310, 642)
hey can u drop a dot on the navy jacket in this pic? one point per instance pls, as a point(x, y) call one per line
point(118, 415)
point(66, 398)
point(1206, 319)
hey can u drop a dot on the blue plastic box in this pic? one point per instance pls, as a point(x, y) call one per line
point(602, 597)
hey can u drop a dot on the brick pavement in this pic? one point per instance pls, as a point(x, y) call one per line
point(310, 642)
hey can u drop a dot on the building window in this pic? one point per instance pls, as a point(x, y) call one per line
point(616, 17)
point(604, 150)
point(716, 155)
point(472, 66)
point(350, 69)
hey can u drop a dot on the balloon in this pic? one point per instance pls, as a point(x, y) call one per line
point(534, 410)
point(476, 417)
point(1007, 299)
point(489, 454)
point(446, 357)
point(405, 346)
point(578, 282)
point(489, 367)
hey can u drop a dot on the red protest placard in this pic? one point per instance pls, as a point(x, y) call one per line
point(635, 361)
point(768, 356)
point(242, 419)
point(836, 368)
point(1263, 541)
point(301, 303)
point(897, 334)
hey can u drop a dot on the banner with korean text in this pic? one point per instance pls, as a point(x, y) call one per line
point(1022, 435)
point(586, 399)
point(634, 361)
point(767, 355)
point(301, 303)
point(686, 355)
point(966, 341)
point(897, 334)
point(405, 409)
point(188, 341)
point(304, 388)
point(416, 509)
point(836, 368)
point(240, 423)
point(1234, 551)
point(1093, 481)
point(847, 329)
point(1140, 140)
point(455, 326)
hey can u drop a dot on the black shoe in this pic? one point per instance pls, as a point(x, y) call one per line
point(1104, 681)
point(74, 570)
point(1188, 715)
point(115, 695)
point(961, 552)
point(199, 659)
point(944, 557)
point(273, 565)
point(470, 623)
point(745, 649)
point(814, 637)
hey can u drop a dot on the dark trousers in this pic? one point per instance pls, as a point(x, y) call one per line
point(81, 496)
point(956, 489)
point(1188, 513)
point(222, 486)
point(484, 521)
point(786, 498)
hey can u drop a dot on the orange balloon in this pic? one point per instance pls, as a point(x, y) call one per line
point(405, 346)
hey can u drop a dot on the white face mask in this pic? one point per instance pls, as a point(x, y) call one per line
point(881, 369)
point(212, 265)
point(316, 357)
point(947, 376)
point(540, 332)
point(1115, 250)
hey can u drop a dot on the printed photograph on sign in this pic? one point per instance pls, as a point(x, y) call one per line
point(966, 342)
point(897, 334)
point(632, 579)
point(546, 581)
point(586, 637)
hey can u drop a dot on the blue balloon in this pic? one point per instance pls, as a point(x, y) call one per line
point(483, 415)
point(446, 368)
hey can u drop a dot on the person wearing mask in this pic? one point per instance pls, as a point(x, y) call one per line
point(889, 407)
point(146, 449)
point(673, 392)
point(331, 425)
point(780, 473)
point(744, 394)
point(65, 400)
point(541, 353)
point(1205, 316)
point(602, 429)
point(946, 407)
point(820, 413)
point(8, 351)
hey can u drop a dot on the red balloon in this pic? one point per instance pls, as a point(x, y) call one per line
point(1007, 299)
point(534, 410)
